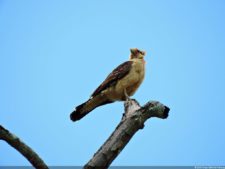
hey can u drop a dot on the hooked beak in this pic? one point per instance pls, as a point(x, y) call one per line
point(134, 51)
point(143, 53)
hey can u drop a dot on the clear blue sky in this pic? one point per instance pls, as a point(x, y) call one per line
point(53, 54)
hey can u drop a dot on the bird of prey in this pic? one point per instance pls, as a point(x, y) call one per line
point(119, 85)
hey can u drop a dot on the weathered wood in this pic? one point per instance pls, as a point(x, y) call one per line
point(20, 146)
point(132, 120)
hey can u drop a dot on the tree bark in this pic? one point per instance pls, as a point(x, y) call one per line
point(133, 119)
point(20, 146)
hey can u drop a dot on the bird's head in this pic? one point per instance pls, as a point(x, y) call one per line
point(136, 53)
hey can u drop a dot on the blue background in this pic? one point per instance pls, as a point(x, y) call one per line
point(53, 54)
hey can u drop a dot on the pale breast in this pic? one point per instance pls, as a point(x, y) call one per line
point(132, 81)
point(137, 78)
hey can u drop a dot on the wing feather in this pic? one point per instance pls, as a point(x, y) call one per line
point(118, 73)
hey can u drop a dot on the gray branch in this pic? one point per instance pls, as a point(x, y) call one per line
point(133, 119)
point(20, 146)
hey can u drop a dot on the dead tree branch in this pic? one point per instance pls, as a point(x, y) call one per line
point(133, 120)
point(20, 146)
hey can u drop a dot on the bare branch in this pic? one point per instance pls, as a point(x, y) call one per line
point(20, 146)
point(133, 120)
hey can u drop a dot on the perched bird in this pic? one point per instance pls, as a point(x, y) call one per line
point(118, 86)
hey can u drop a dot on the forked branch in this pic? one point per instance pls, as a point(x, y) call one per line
point(132, 120)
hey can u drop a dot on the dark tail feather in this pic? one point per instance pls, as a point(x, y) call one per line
point(78, 113)
point(83, 109)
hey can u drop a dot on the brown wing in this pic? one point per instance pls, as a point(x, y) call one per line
point(118, 73)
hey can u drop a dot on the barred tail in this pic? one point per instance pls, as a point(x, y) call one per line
point(83, 109)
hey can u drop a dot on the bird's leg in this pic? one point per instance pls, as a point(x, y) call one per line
point(126, 95)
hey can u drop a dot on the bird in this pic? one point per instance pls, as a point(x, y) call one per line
point(119, 85)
